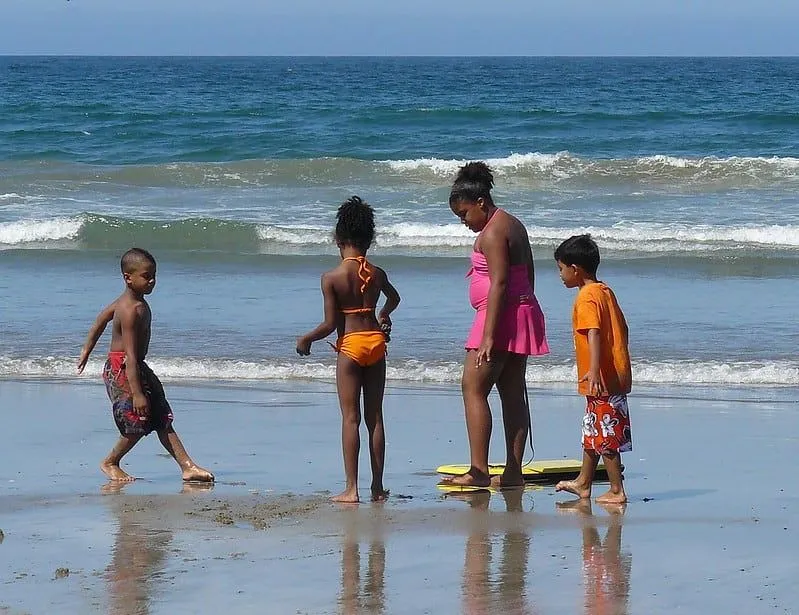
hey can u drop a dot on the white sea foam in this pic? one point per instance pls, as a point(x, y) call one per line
point(563, 165)
point(37, 231)
point(295, 235)
point(624, 236)
point(501, 166)
point(692, 373)
point(636, 237)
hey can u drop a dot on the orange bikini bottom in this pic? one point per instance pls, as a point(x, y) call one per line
point(364, 347)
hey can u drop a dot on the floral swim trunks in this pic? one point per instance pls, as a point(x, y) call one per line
point(606, 425)
point(116, 385)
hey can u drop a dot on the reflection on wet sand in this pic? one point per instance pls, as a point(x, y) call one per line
point(371, 596)
point(606, 570)
point(139, 554)
point(508, 594)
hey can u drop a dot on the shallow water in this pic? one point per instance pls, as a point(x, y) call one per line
point(230, 170)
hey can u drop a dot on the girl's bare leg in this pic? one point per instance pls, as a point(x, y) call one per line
point(348, 382)
point(374, 385)
point(476, 384)
point(512, 386)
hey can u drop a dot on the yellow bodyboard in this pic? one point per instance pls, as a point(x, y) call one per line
point(534, 470)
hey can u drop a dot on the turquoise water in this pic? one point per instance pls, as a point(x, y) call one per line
point(685, 170)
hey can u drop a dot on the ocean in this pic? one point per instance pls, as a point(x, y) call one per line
point(230, 170)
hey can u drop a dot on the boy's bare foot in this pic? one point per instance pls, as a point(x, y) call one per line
point(472, 478)
point(198, 475)
point(348, 496)
point(577, 488)
point(612, 498)
point(114, 472)
point(379, 494)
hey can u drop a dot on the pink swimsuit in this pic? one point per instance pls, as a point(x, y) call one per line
point(520, 328)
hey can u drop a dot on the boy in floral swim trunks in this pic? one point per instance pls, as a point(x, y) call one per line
point(603, 369)
point(137, 397)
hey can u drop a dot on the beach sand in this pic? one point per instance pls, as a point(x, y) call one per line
point(711, 525)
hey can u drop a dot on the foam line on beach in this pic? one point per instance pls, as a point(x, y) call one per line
point(694, 373)
point(99, 231)
point(532, 169)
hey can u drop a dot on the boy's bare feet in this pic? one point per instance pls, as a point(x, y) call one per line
point(197, 474)
point(472, 478)
point(114, 472)
point(348, 496)
point(379, 494)
point(612, 498)
point(581, 490)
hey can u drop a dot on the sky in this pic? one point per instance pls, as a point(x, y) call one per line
point(404, 27)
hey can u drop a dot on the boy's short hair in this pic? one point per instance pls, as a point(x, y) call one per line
point(579, 250)
point(133, 258)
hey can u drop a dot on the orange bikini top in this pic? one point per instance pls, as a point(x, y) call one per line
point(365, 275)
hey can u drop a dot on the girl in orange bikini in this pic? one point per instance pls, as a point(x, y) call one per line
point(350, 293)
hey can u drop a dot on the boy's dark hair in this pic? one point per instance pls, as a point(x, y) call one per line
point(473, 181)
point(579, 250)
point(355, 223)
point(133, 258)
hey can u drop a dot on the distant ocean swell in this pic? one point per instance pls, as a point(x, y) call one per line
point(693, 373)
point(93, 231)
point(533, 169)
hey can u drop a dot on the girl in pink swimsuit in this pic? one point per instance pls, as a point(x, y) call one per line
point(508, 325)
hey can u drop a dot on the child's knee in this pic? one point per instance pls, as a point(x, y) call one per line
point(351, 417)
point(471, 386)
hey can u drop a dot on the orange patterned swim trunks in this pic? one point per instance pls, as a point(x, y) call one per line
point(606, 425)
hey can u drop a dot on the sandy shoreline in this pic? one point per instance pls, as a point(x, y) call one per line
point(707, 530)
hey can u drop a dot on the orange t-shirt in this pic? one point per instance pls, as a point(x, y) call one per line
point(596, 308)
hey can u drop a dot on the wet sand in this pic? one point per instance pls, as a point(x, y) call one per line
point(711, 525)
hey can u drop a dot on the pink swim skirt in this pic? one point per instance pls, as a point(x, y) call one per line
point(520, 329)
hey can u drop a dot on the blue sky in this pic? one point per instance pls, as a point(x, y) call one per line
point(408, 27)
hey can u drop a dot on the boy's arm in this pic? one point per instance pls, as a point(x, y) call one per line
point(103, 318)
point(495, 249)
point(328, 325)
point(129, 320)
point(392, 301)
point(596, 387)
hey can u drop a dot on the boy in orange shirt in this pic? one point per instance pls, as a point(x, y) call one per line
point(603, 369)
